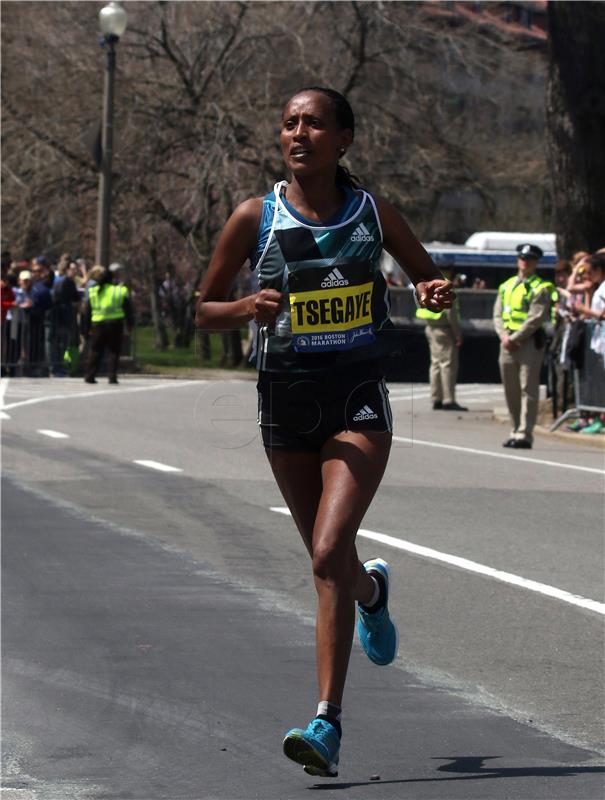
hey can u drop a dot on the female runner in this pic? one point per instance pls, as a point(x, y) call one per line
point(323, 326)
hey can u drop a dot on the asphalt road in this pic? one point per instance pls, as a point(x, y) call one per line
point(158, 625)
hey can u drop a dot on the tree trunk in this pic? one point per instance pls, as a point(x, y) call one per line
point(161, 334)
point(189, 327)
point(575, 111)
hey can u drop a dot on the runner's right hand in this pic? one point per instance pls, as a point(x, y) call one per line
point(266, 305)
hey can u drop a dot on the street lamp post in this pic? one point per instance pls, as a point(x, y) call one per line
point(113, 20)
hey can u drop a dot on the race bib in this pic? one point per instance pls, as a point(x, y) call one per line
point(331, 307)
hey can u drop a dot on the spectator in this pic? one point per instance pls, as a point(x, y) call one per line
point(8, 301)
point(592, 310)
point(563, 270)
point(561, 383)
point(81, 273)
point(580, 255)
point(595, 275)
point(40, 318)
point(93, 276)
point(165, 294)
point(23, 290)
point(63, 332)
point(175, 298)
point(6, 293)
point(578, 284)
point(61, 267)
point(20, 324)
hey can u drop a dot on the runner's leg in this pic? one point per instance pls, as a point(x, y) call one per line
point(328, 495)
point(353, 463)
point(298, 476)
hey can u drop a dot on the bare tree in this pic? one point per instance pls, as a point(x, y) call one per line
point(449, 117)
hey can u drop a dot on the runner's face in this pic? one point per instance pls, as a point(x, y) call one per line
point(311, 139)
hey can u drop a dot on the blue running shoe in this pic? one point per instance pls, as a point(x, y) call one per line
point(377, 632)
point(316, 748)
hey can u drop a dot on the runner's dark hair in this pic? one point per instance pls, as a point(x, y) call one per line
point(346, 119)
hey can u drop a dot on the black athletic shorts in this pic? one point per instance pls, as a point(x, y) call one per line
point(300, 412)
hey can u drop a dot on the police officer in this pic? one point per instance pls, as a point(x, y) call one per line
point(520, 312)
point(444, 336)
point(117, 272)
point(107, 308)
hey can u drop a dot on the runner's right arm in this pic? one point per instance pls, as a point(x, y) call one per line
point(236, 242)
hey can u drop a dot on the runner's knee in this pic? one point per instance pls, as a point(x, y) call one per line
point(334, 562)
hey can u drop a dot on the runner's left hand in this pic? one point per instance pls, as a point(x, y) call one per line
point(435, 295)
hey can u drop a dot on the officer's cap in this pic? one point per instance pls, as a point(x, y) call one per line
point(528, 251)
point(115, 267)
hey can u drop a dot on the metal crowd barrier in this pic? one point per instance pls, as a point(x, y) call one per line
point(589, 380)
point(23, 344)
point(37, 346)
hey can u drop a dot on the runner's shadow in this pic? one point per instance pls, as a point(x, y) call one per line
point(473, 768)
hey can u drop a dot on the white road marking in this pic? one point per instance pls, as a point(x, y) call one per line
point(157, 465)
point(113, 392)
point(53, 434)
point(3, 415)
point(473, 451)
point(473, 566)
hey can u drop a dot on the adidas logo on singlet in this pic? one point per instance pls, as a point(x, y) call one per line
point(335, 278)
point(364, 413)
point(361, 234)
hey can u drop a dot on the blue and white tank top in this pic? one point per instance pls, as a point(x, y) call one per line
point(336, 301)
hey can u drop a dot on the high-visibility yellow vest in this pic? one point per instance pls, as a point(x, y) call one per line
point(425, 313)
point(107, 301)
point(517, 299)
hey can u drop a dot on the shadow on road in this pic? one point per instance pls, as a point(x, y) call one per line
point(474, 769)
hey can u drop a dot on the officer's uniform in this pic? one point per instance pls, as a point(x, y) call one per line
point(520, 312)
point(442, 332)
point(107, 307)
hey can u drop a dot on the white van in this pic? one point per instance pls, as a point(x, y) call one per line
point(491, 256)
point(496, 240)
